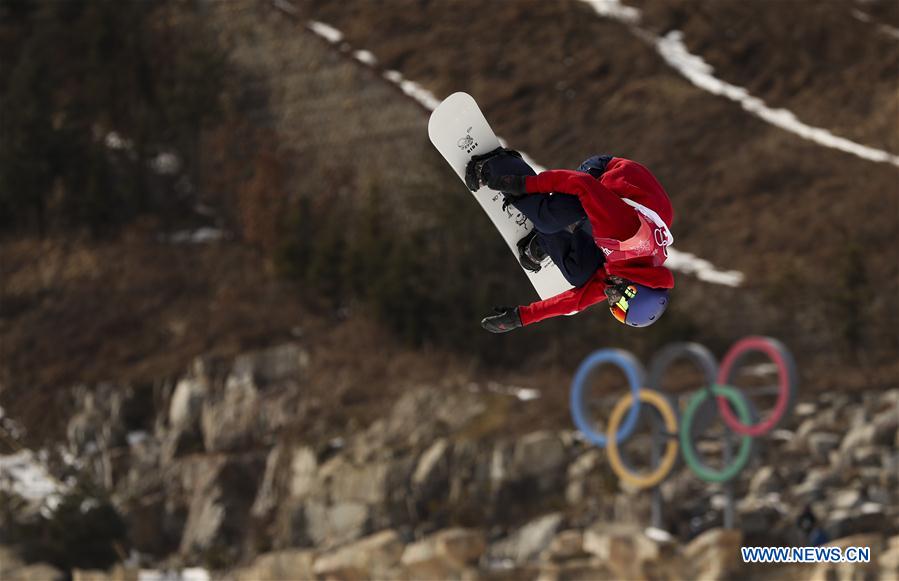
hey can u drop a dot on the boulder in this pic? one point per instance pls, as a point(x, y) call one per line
point(187, 402)
point(443, 554)
point(538, 454)
point(822, 443)
point(868, 456)
point(268, 366)
point(371, 557)
point(183, 434)
point(462, 546)
point(624, 548)
point(578, 472)
point(889, 475)
point(764, 481)
point(565, 545)
point(328, 525)
point(303, 468)
point(860, 435)
point(804, 430)
point(817, 481)
point(231, 422)
point(221, 493)
point(888, 560)
point(584, 464)
point(757, 516)
point(888, 399)
point(267, 496)
point(886, 427)
point(35, 572)
point(845, 499)
point(446, 411)
point(584, 569)
point(433, 466)
point(855, 570)
point(83, 432)
point(347, 482)
point(715, 554)
point(866, 517)
point(278, 565)
point(117, 573)
point(526, 543)
point(12, 568)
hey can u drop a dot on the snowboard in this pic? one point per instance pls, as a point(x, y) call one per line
point(458, 130)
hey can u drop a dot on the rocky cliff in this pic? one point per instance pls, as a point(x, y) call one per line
point(214, 469)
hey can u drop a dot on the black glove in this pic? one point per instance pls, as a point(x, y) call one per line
point(504, 321)
point(506, 184)
point(477, 172)
point(616, 287)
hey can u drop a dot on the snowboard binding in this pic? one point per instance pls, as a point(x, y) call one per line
point(530, 252)
point(477, 172)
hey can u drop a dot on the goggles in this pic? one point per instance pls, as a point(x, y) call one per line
point(618, 296)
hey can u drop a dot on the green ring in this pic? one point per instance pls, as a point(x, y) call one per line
point(691, 456)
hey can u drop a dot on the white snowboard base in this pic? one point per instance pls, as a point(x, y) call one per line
point(458, 130)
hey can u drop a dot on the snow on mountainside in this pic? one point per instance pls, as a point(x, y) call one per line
point(672, 48)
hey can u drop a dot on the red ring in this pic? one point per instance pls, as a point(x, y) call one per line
point(768, 347)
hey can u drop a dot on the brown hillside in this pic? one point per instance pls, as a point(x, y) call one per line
point(835, 69)
point(808, 225)
point(561, 83)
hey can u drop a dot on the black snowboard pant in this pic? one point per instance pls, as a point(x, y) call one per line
point(561, 224)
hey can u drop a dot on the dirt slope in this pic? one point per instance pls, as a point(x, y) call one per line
point(831, 63)
point(561, 83)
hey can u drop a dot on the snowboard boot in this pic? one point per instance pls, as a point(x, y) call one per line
point(530, 252)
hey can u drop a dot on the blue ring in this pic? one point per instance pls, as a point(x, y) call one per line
point(635, 374)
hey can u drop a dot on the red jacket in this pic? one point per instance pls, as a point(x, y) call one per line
point(610, 217)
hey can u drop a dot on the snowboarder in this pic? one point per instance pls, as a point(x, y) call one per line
point(606, 226)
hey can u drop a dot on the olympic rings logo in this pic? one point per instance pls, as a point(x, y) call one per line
point(733, 407)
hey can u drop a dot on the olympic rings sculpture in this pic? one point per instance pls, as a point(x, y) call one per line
point(733, 407)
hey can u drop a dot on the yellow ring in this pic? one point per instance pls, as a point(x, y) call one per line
point(656, 399)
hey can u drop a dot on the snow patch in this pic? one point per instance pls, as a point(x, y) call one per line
point(88, 504)
point(859, 15)
point(414, 90)
point(615, 10)
point(883, 28)
point(198, 236)
point(23, 474)
point(781, 435)
point(117, 142)
point(137, 437)
point(889, 30)
point(702, 269)
point(672, 48)
point(10, 427)
point(166, 163)
point(285, 6)
point(522, 393)
point(365, 57)
point(326, 31)
point(658, 535)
